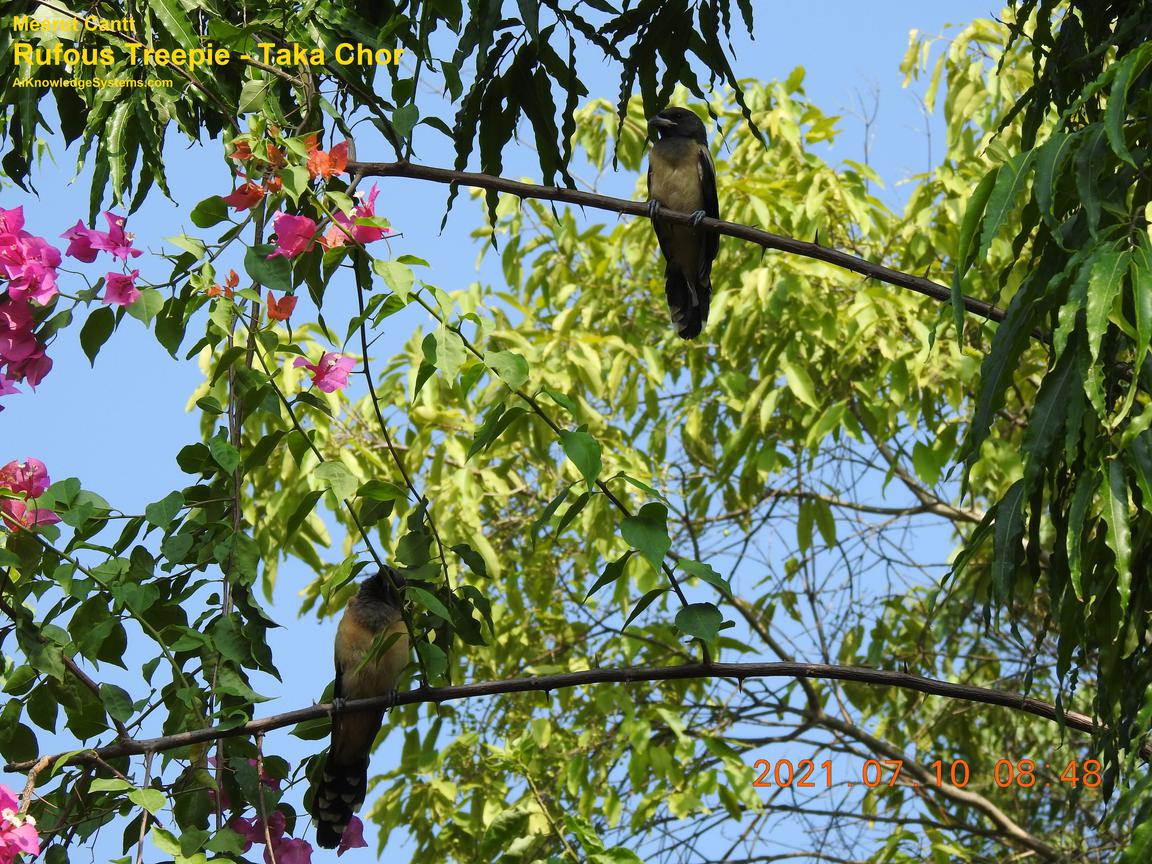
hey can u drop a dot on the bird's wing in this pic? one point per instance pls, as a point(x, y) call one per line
point(710, 242)
point(663, 229)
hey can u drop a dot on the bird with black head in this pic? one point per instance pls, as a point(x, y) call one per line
point(681, 176)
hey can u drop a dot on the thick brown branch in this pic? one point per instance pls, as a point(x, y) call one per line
point(547, 683)
point(639, 208)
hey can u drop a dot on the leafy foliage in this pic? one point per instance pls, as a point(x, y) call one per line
point(515, 63)
point(566, 485)
point(1074, 197)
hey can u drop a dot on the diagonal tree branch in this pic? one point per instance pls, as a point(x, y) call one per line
point(631, 674)
point(640, 208)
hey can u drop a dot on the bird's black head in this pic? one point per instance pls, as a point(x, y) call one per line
point(385, 584)
point(677, 123)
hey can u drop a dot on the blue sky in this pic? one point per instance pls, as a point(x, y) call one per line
point(118, 426)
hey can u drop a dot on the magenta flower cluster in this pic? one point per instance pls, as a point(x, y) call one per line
point(28, 267)
point(17, 833)
point(295, 235)
point(21, 483)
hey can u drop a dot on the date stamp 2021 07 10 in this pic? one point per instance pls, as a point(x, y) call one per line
point(1006, 773)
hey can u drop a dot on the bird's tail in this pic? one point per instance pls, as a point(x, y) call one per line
point(688, 300)
point(339, 794)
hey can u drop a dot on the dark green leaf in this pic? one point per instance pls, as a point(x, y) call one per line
point(647, 533)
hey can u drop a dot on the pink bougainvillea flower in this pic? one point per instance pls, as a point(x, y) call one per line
point(277, 822)
point(22, 356)
point(245, 197)
point(331, 373)
point(246, 829)
point(289, 850)
point(294, 234)
point(31, 369)
point(30, 264)
point(353, 836)
point(282, 309)
point(120, 288)
point(17, 339)
point(80, 239)
point(116, 240)
point(15, 513)
point(17, 833)
point(364, 234)
point(29, 478)
point(12, 221)
point(325, 165)
point(7, 388)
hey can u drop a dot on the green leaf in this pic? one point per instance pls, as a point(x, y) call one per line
point(647, 533)
point(404, 119)
point(799, 383)
point(1000, 364)
point(560, 399)
point(825, 521)
point(1050, 160)
point(701, 621)
point(117, 702)
point(162, 512)
point(572, 512)
point(617, 854)
point(396, 276)
point(224, 454)
point(96, 330)
point(510, 366)
point(428, 600)
point(147, 305)
point(530, 15)
point(642, 604)
point(306, 505)
point(1048, 415)
point(1010, 182)
point(973, 213)
point(472, 558)
point(114, 143)
point(1127, 70)
point(381, 490)
point(176, 22)
point(338, 478)
point(189, 244)
point(613, 571)
point(295, 181)
point(1006, 546)
point(1119, 537)
point(705, 573)
point(584, 451)
point(450, 352)
point(275, 273)
point(152, 800)
point(209, 212)
point(252, 96)
point(1104, 284)
point(1140, 264)
point(494, 424)
point(1081, 500)
point(110, 784)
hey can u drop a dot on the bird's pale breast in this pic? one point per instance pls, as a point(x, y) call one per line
point(676, 175)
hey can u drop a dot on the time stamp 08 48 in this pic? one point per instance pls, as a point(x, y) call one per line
point(875, 773)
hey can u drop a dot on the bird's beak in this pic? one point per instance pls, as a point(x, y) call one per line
point(655, 124)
